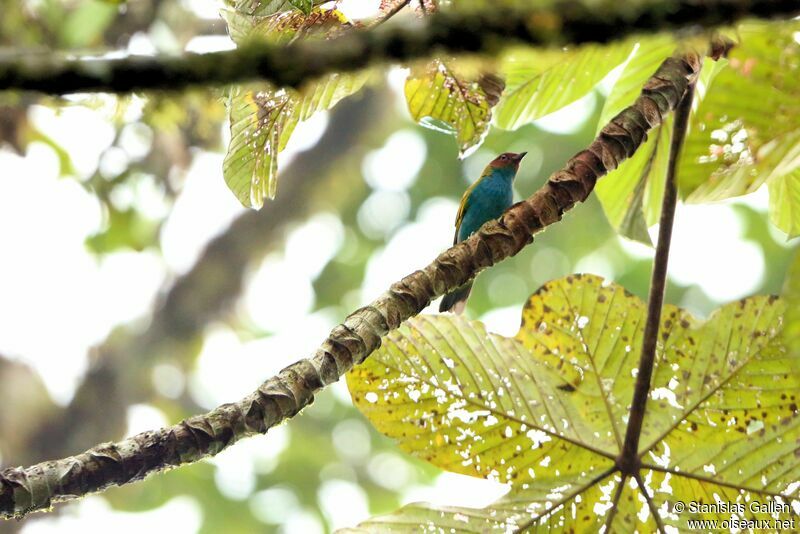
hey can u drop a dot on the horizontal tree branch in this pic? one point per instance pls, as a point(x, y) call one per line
point(23, 490)
point(485, 31)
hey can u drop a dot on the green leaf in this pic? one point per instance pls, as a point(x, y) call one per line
point(631, 193)
point(262, 123)
point(645, 60)
point(547, 410)
point(791, 292)
point(747, 124)
point(537, 506)
point(568, 503)
point(733, 146)
point(285, 26)
point(784, 182)
point(443, 99)
point(784, 202)
point(544, 82)
point(751, 102)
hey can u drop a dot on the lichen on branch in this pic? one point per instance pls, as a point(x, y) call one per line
point(26, 489)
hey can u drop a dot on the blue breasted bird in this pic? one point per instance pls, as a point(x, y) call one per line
point(485, 200)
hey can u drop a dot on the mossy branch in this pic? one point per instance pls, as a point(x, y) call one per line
point(485, 31)
point(26, 489)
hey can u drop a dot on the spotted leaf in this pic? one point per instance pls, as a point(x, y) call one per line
point(262, 123)
point(263, 118)
point(546, 411)
point(441, 98)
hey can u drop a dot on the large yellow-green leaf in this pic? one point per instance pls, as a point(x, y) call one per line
point(441, 98)
point(547, 410)
point(542, 82)
point(747, 124)
point(261, 124)
point(566, 499)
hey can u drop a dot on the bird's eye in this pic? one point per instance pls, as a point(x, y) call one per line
point(503, 157)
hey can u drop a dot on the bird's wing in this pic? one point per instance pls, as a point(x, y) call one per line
point(464, 205)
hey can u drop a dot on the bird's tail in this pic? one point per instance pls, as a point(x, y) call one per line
point(457, 300)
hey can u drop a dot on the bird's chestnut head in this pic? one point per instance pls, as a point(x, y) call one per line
point(508, 159)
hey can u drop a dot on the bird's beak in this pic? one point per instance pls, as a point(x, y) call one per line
point(520, 156)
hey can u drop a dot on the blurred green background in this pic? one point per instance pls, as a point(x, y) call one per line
point(135, 290)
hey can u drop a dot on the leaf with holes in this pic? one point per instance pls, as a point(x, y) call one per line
point(263, 119)
point(746, 127)
point(453, 102)
point(261, 124)
point(541, 82)
point(546, 411)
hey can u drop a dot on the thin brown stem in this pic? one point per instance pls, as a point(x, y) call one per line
point(612, 513)
point(629, 459)
point(650, 503)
